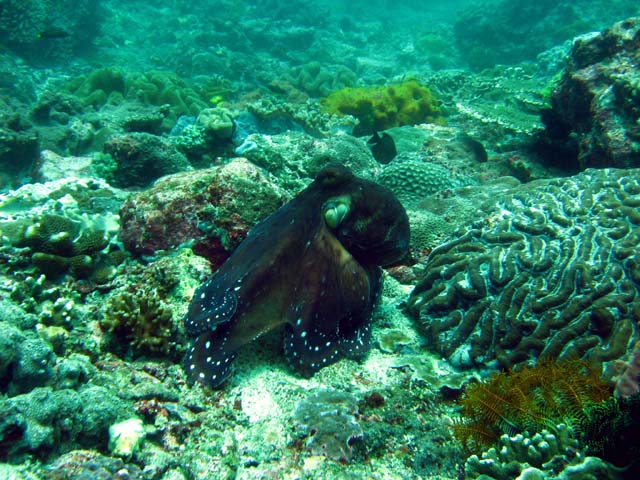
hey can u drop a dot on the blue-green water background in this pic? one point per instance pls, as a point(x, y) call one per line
point(77, 74)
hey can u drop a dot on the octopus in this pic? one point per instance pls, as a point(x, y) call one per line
point(313, 268)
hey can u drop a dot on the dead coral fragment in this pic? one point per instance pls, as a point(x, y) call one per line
point(140, 320)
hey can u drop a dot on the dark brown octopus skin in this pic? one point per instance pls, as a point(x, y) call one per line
point(312, 266)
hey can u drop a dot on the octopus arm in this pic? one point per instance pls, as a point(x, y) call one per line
point(330, 310)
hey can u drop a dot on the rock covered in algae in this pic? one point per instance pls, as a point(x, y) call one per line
point(598, 97)
point(212, 209)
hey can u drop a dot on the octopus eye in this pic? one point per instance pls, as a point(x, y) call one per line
point(335, 211)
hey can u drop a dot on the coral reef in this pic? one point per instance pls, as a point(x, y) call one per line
point(78, 116)
point(318, 80)
point(550, 270)
point(214, 209)
point(29, 350)
point(216, 124)
point(83, 464)
point(500, 106)
point(51, 166)
point(411, 179)
point(379, 108)
point(507, 32)
point(431, 228)
point(544, 455)
point(59, 28)
point(11, 338)
point(64, 125)
point(598, 98)
point(174, 92)
point(327, 419)
point(140, 322)
point(60, 243)
point(19, 143)
point(33, 366)
point(270, 115)
point(140, 158)
point(418, 435)
point(527, 400)
point(114, 86)
point(295, 158)
point(67, 126)
point(50, 224)
point(46, 420)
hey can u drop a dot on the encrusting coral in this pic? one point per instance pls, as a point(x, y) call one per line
point(327, 418)
point(61, 243)
point(379, 108)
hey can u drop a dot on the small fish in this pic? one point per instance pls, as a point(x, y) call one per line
point(475, 147)
point(53, 33)
point(383, 147)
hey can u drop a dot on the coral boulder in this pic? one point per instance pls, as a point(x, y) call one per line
point(551, 270)
point(212, 209)
point(598, 97)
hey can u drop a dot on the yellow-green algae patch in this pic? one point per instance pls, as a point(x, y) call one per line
point(382, 107)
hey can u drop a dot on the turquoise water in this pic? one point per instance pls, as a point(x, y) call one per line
point(443, 203)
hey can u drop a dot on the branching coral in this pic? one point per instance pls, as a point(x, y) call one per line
point(140, 320)
point(544, 455)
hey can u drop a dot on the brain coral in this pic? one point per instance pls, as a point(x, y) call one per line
point(411, 178)
point(551, 270)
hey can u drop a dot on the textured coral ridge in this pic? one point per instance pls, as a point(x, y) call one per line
point(312, 265)
point(552, 270)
